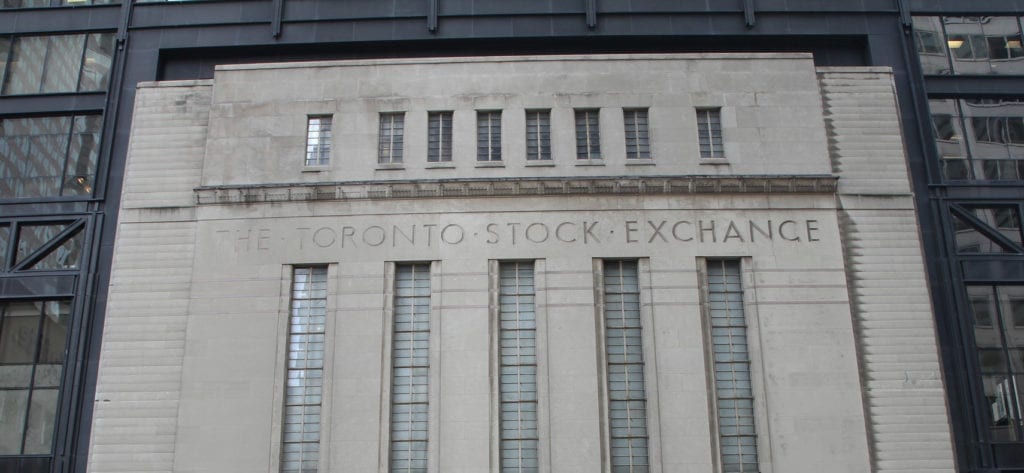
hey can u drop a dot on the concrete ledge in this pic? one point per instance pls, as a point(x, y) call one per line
point(288, 192)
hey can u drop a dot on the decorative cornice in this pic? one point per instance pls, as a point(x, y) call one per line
point(514, 187)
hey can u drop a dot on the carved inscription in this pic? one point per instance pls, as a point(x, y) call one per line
point(518, 233)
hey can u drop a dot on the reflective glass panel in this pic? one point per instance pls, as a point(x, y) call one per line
point(48, 156)
point(83, 152)
point(65, 256)
point(31, 237)
point(63, 61)
point(99, 54)
point(931, 45)
point(985, 44)
point(25, 71)
point(970, 240)
point(999, 344)
point(5, 239)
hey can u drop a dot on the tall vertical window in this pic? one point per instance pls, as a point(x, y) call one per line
point(518, 366)
point(300, 441)
point(538, 135)
point(627, 396)
point(709, 133)
point(588, 135)
point(734, 398)
point(390, 138)
point(32, 340)
point(49, 156)
point(55, 63)
point(637, 143)
point(488, 136)
point(998, 325)
point(318, 140)
point(439, 137)
point(410, 366)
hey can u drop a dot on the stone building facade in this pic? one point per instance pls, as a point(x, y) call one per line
point(668, 263)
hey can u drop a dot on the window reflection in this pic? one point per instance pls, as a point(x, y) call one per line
point(992, 147)
point(48, 156)
point(969, 45)
point(999, 342)
point(55, 63)
point(33, 338)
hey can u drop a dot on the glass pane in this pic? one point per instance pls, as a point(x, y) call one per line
point(5, 239)
point(41, 415)
point(65, 256)
point(32, 154)
point(63, 61)
point(970, 240)
point(13, 407)
point(931, 47)
point(84, 150)
point(1011, 300)
point(99, 54)
point(5, 49)
point(985, 44)
point(33, 237)
point(55, 329)
point(25, 71)
point(1005, 220)
point(19, 333)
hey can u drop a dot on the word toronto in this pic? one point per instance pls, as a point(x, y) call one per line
point(583, 232)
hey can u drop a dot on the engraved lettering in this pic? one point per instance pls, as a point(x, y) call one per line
point(630, 230)
point(430, 232)
point(782, 231)
point(445, 234)
point(754, 228)
point(493, 238)
point(537, 239)
point(558, 232)
point(588, 232)
point(369, 239)
point(347, 233)
point(410, 237)
point(702, 230)
point(675, 230)
point(732, 232)
point(324, 236)
point(513, 226)
point(243, 241)
point(303, 231)
point(262, 239)
point(812, 227)
point(657, 231)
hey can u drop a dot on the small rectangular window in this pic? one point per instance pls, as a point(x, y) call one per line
point(410, 369)
point(318, 140)
point(709, 133)
point(439, 137)
point(538, 135)
point(517, 351)
point(588, 135)
point(637, 143)
point(488, 136)
point(734, 398)
point(627, 392)
point(300, 441)
point(390, 138)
